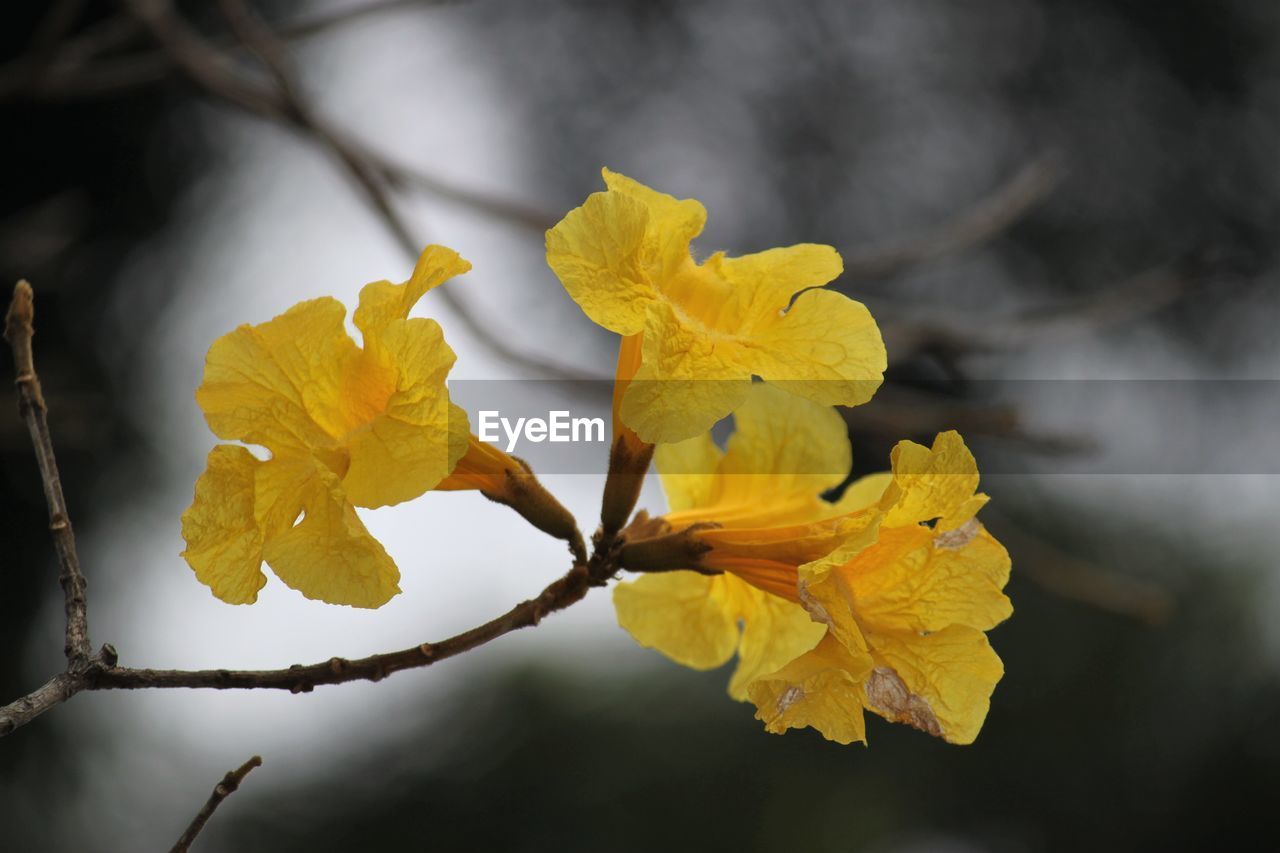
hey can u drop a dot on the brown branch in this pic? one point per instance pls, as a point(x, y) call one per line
point(221, 791)
point(569, 589)
point(103, 674)
point(100, 672)
point(53, 692)
point(985, 220)
point(18, 330)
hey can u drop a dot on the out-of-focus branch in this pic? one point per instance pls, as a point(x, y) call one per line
point(19, 329)
point(225, 788)
point(899, 412)
point(1074, 578)
point(1029, 186)
point(212, 72)
point(958, 334)
point(79, 68)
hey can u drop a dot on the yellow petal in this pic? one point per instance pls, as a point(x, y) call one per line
point(916, 579)
point(940, 683)
point(774, 632)
point(784, 448)
point(765, 282)
point(597, 251)
point(673, 223)
point(688, 471)
point(826, 348)
point(685, 384)
point(687, 616)
point(793, 544)
point(864, 492)
point(821, 689)
point(329, 555)
point(408, 448)
point(224, 544)
point(280, 383)
point(280, 486)
point(929, 483)
point(382, 302)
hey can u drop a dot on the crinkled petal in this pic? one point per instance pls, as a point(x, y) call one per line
point(281, 485)
point(598, 252)
point(820, 689)
point(940, 683)
point(774, 632)
point(765, 282)
point(688, 471)
point(673, 223)
point(784, 448)
point(224, 543)
point(330, 555)
point(931, 483)
point(917, 579)
point(280, 383)
point(685, 384)
point(408, 448)
point(381, 302)
point(687, 616)
point(826, 348)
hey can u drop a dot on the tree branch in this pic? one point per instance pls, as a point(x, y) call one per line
point(18, 330)
point(221, 791)
point(989, 217)
point(212, 72)
point(569, 589)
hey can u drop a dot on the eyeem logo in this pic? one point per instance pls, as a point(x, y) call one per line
point(558, 427)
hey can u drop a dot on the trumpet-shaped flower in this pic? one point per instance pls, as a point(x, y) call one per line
point(704, 329)
point(878, 601)
point(345, 425)
point(906, 606)
point(752, 515)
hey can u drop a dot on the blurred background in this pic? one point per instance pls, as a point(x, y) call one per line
point(1064, 214)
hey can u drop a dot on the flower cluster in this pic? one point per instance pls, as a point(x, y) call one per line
point(877, 600)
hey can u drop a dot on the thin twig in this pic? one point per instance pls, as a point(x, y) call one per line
point(79, 68)
point(976, 225)
point(221, 791)
point(18, 330)
point(569, 589)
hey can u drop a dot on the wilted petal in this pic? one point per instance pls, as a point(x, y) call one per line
point(821, 689)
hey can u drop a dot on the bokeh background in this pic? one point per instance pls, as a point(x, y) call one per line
point(1064, 214)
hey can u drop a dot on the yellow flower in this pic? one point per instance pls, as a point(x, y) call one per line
point(346, 426)
point(705, 329)
point(763, 495)
point(906, 605)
